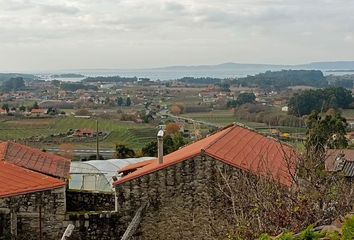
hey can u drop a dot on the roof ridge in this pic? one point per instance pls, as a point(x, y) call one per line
point(228, 128)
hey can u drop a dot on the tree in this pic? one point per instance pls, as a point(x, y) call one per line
point(52, 111)
point(22, 108)
point(128, 101)
point(120, 101)
point(177, 109)
point(35, 105)
point(243, 98)
point(172, 129)
point(55, 83)
point(170, 144)
point(14, 84)
point(246, 98)
point(150, 149)
point(123, 151)
point(319, 100)
point(6, 107)
point(325, 132)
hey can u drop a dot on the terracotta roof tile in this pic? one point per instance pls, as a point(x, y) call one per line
point(34, 110)
point(15, 180)
point(35, 159)
point(236, 146)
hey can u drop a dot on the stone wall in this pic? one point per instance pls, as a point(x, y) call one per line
point(176, 195)
point(95, 225)
point(89, 201)
point(27, 209)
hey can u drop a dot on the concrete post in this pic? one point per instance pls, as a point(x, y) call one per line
point(160, 146)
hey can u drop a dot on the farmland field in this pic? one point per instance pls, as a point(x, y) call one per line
point(133, 135)
point(221, 118)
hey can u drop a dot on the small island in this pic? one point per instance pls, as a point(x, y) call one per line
point(68, 75)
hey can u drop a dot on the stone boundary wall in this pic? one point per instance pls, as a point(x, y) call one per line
point(95, 225)
point(89, 201)
point(27, 208)
point(182, 186)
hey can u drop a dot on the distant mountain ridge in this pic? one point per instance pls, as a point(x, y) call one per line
point(336, 65)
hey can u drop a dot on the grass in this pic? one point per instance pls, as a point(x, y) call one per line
point(133, 135)
point(218, 117)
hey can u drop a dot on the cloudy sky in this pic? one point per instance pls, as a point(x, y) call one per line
point(71, 34)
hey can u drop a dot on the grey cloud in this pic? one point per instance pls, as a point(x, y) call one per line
point(163, 27)
point(174, 6)
point(59, 9)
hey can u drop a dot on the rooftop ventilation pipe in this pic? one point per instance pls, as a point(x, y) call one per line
point(160, 146)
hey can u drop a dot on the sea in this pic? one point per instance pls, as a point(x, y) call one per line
point(163, 75)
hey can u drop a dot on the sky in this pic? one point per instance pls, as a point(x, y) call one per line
point(82, 34)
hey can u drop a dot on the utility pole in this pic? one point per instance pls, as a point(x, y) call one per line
point(97, 142)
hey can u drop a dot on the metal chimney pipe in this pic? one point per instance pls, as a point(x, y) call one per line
point(160, 146)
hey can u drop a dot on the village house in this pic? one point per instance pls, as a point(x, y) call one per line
point(3, 111)
point(341, 160)
point(32, 192)
point(38, 112)
point(180, 182)
point(84, 132)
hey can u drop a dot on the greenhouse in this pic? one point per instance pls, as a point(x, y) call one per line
point(96, 175)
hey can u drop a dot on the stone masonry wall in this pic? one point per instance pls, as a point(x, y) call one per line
point(94, 225)
point(89, 201)
point(27, 208)
point(182, 186)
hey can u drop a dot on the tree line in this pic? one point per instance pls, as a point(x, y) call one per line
point(284, 79)
point(320, 100)
point(111, 79)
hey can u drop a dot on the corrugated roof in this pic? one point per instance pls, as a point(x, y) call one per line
point(347, 163)
point(35, 159)
point(236, 146)
point(15, 180)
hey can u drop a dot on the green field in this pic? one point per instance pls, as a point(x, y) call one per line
point(221, 118)
point(133, 135)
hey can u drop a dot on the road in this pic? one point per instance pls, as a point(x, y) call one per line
point(105, 152)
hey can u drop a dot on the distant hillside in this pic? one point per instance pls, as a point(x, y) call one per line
point(7, 76)
point(222, 66)
point(284, 79)
point(336, 65)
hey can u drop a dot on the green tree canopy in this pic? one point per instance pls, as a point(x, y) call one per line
point(243, 98)
point(123, 151)
point(319, 100)
point(325, 132)
point(13, 84)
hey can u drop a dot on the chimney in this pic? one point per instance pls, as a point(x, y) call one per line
point(160, 146)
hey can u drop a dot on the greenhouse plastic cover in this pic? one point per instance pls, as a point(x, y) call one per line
point(96, 175)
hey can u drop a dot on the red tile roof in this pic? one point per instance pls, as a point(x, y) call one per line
point(34, 110)
point(15, 180)
point(35, 159)
point(238, 147)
